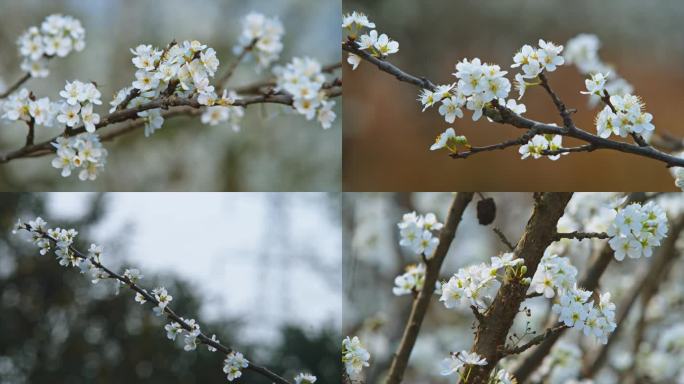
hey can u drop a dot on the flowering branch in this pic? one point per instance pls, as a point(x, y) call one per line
point(647, 286)
point(177, 76)
point(491, 333)
point(422, 301)
point(69, 255)
point(503, 115)
point(46, 147)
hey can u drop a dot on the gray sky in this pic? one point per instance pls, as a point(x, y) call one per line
point(221, 243)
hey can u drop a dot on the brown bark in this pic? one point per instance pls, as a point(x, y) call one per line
point(494, 326)
point(421, 303)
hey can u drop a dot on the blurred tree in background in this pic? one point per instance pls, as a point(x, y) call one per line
point(55, 326)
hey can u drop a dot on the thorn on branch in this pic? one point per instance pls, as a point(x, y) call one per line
point(536, 340)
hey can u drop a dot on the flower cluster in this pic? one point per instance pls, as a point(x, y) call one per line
point(181, 69)
point(261, 35)
point(539, 144)
point(449, 140)
point(233, 365)
point(378, 45)
point(623, 116)
point(456, 361)
point(303, 79)
point(637, 229)
point(532, 61)
point(577, 311)
point(23, 106)
point(305, 378)
point(57, 36)
point(218, 114)
point(582, 51)
point(411, 281)
point(79, 99)
point(42, 236)
point(84, 152)
point(554, 273)
point(478, 84)
point(163, 298)
point(416, 233)
point(477, 285)
point(354, 356)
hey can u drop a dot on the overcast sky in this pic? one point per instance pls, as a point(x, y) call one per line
point(273, 257)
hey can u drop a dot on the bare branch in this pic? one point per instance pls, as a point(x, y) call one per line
point(223, 80)
point(421, 303)
point(504, 239)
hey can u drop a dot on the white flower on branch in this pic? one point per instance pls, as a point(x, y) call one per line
point(58, 36)
point(172, 330)
point(416, 233)
point(139, 298)
point(83, 152)
point(233, 365)
point(163, 298)
point(17, 106)
point(303, 79)
point(411, 281)
point(262, 36)
point(637, 229)
point(305, 378)
point(456, 361)
point(477, 285)
point(354, 356)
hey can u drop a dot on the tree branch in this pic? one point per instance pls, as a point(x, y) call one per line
point(46, 147)
point(565, 114)
point(15, 86)
point(536, 340)
point(421, 303)
point(168, 311)
point(647, 287)
point(490, 337)
point(504, 115)
point(588, 282)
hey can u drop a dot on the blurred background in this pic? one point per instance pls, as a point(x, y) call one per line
point(275, 151)
point(244, 265)
point(386, 137)
point(650, 346)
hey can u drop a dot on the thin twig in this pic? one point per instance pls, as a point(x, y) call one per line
point(223, 80)
point(581, 235)
point(15, 86)
point(504, 239)
point(167, 310)
point(565, 114)
point(536, 340)
point(421, 303)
